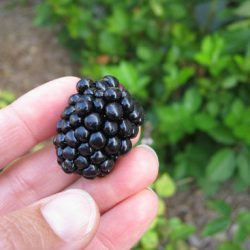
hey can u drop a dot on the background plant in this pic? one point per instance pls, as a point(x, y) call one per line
point(6, 97)
point(187, 61)
point(238, 224)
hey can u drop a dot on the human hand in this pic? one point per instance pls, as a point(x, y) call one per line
point(43, 208)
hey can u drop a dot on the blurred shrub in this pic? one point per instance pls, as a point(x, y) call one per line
point(189, 64)
point(166, 233)
point(237, 226)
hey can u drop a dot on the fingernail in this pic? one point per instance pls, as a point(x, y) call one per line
point(71, 214)
point(150, 149)
point(150, 189)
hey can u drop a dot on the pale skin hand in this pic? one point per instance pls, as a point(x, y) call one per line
point(43, 208)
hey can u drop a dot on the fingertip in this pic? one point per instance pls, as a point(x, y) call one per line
point(149, 158)
point(72, 215)
point(151, 151)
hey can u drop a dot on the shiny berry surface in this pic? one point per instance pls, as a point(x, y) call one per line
point(107, 166)
point(113, 146)
point(125, 128)
point(97, 140)
point(93, 121)
point(84, 107)
point(101, 85)
point(112, 94)
point(81, 162)
point(127, 104)
point(110, 128)
point(114, 111)
point(67, 112)
point(96, 127)
point(111, 81)
point(70, 139)
point(82, 134)
point(83, 84)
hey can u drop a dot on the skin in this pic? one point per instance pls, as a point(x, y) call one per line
point(124, 206)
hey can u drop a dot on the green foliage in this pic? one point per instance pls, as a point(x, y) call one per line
point(225, 221)
point(215, 226)
point(165, 186)
point(170, 234)
point(6, 97)
point(188, 62)
point(221, 166)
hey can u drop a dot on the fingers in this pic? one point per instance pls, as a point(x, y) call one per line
point(134, 172)
point(67, 220)
point(32, 178)
point(121, 227)
point(32, 118)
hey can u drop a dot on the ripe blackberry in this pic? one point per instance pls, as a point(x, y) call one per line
point(96, 127)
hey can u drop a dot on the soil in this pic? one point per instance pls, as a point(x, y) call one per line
point(31, 55)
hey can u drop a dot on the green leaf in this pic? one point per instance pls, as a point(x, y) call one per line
point(118, 22)
point(230, 245)
point(239, 185)
point(165, 186)
point(213, 108)
point(150, 240)
point(230, 82)
point(176, 77)
point(221, 166)
point(161, 207)
point(185, 74)
point(204, 121)
point(6, 97)
point(243, 163)
point(215, 226)
point(42, 14)
point(169, 247)
point(244, 9)
point(241, 234)
point(222, 135)
point(192, 100)
point(243, 218)
point(156, 7)
point(109, 44)
point(144, 52)
point(221, 207)
point(179, 230)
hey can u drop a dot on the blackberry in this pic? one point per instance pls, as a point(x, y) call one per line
point(96, 127)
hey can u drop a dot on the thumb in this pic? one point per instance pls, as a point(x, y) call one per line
point(67, 220)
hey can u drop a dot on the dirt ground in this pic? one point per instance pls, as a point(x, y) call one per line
point(31, 55)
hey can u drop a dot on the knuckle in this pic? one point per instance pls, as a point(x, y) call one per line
point(22, 183)
point(105, 241)
point(19, 232)
point(7, 241)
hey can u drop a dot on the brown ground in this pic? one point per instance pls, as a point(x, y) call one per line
point(31, 55)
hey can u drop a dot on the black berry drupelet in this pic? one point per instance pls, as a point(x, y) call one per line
point(96, 127)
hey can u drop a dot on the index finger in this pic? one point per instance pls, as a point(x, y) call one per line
point(32, 118)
